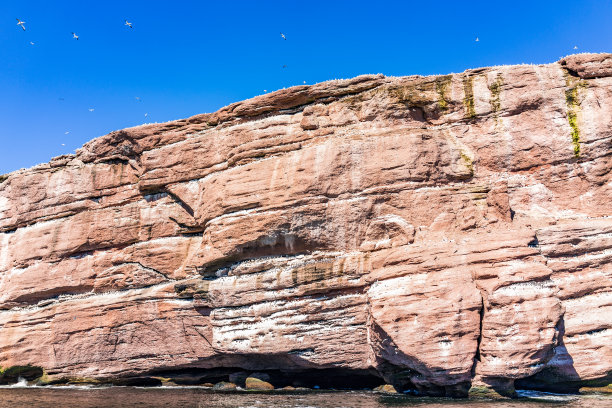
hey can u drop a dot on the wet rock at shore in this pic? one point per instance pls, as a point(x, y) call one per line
point(253, 383)
point(224, 386)
point(386, 388)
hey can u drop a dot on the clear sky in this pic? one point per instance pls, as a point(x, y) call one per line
point(182, 58)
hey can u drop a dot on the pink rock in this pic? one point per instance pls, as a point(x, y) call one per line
point(440, 232)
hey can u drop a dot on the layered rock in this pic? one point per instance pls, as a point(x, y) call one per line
point(437, 232)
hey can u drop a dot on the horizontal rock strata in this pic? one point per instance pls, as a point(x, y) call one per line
point(439, 233)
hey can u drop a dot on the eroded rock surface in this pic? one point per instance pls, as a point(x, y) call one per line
point(437, 232)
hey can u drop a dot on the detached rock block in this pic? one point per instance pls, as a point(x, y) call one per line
point(224, 386)
point(386, 388)
point(253, 383)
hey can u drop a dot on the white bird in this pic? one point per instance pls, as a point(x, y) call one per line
point(31, 43)
point(66, 133)
point(477, 39)
point(127, 23)
point(63, 144)
point(575, 47)
point(265, 90)
point(21, 23)
point(282, 35)
point(304, 82)
point(91, 109)
point(146, 114)
point(76, 37)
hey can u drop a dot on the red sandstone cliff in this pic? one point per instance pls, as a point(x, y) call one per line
point(434, 231)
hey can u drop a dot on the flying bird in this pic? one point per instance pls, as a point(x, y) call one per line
point(31, 43)
point(284, 66)
point(477, 39)
point(91, 109)
point(146, 114)
point(282, 35)
point(63, 144)
point(137, 98)
point(76, 37)
point(575, 47)
point(66, 133)
point(127, 23)
point(21, 23)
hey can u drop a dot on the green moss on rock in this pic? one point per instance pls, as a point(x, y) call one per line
point(573, 107)
point(442, 84)
point(12, 374)
point(468, 100)
point(467, 160)
point(495, 88)
point(572, 118)
point(489, 393)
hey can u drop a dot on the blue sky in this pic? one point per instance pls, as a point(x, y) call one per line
point(188, 57)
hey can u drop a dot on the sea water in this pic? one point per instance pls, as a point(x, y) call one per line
point(183, 397)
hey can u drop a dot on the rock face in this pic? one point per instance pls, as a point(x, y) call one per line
point(435, 232)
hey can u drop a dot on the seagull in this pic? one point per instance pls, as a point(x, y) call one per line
point(146, 114)
point(66, 133)
point(282, 35)
point(304, 82)
point(127, 23)
point(21, 23)
point(477, 39)
point(31, 43)
point(63, 144)
point(575, 47)
point(91, 109)
point(265, 90)
point(76, 37)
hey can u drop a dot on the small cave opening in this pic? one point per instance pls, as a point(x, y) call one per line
point(328, 378)
point(534, 243)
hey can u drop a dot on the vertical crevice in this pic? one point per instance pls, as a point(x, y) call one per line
point(479, 340)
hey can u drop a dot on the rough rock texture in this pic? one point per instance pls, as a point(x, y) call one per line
point(437, 232)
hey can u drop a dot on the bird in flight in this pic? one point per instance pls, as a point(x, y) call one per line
point(91, 109)
point(284, 66)
point(282, 35)
point(146, 114)
point(76, 37)
point(63, 144)
point(21, 23)
point(66, 133)
point(575, 47)
point(127, 23)
point(31, 43)
point(137, 98)
point(477, 39)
